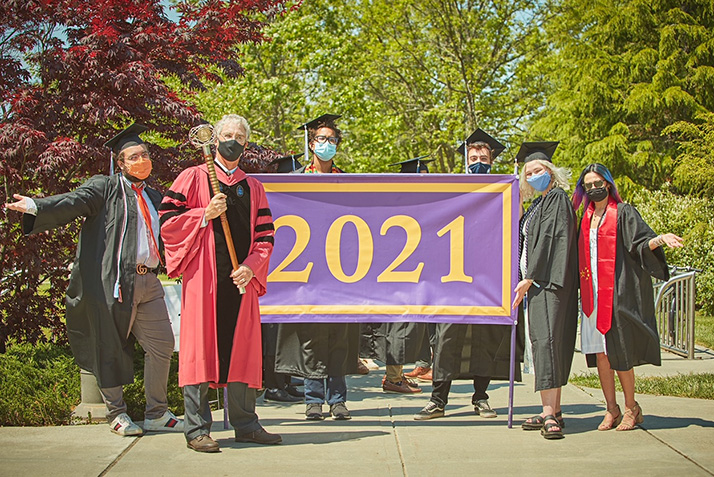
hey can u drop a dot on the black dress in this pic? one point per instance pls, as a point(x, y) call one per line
point(550, 245)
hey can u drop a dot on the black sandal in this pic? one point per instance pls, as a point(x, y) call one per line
point(559, 418)
point(536, 423)
point(547, 430)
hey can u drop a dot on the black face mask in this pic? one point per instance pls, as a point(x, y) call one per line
point(479, 168)
point(597, 194)
point(231, 150)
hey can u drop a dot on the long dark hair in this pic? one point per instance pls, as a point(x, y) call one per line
point(579, 196)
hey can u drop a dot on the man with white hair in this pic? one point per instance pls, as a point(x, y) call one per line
point(220, 326)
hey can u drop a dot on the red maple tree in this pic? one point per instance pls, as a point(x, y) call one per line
point(72, 73)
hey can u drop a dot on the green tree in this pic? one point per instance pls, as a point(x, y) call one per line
point(632, 87)
point(409, 78)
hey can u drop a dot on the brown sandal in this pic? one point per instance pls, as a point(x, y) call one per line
point(614, 419)
point(631, 419)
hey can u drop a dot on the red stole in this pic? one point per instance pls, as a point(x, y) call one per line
point(606, 251)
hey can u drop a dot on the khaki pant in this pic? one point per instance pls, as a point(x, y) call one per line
point(394, 373)
point(151, 326)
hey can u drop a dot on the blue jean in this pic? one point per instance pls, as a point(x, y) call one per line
point(336, 390)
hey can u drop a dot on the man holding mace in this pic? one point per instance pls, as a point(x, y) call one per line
point(224, 264)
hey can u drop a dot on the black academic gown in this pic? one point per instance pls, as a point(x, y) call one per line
point(97, 323)
point(467, 351)
point(317, 350)
point(392, 343)
point(553, 298)
point(633, 339)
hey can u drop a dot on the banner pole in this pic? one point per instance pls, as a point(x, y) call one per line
point(512, 374)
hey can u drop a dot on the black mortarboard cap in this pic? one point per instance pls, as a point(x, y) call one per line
point(480, 135)
point(127, 138)
point(285, 163)
point(321, 120)
point(530, 151)
point(410, 165)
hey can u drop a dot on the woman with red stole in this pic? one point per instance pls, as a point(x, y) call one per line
point(617, 252)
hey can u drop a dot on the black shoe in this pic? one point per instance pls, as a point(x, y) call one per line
point(430, 411)
point(280, 395)
point(293, 391)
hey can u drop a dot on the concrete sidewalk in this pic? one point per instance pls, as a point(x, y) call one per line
point(677, 438)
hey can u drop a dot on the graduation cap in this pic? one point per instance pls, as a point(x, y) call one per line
point(413, 165)
point(530, 151)
point(481, 136)
point(287, 163)
point(315, 124)
point(127, 138)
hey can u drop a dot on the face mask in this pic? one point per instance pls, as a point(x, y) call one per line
point(230, 150)
point(479, 168)
point(597, 194)
point(140, 169)
point(325, 151)
point(539, 182)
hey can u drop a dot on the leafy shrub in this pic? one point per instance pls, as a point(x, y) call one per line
point(692, 219)
point(39, 385)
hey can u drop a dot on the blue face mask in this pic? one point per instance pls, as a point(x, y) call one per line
point(540, 182)
point(479, 168)
point(325, 151)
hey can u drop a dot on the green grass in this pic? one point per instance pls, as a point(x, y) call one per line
point(700, 385)
point(704, 330)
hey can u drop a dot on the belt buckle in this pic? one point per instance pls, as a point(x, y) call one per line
point(141, 269)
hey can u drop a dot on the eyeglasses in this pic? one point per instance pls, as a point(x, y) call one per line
point(594, 185)
point(135, 157)
point(237, 137)
point(332, 139)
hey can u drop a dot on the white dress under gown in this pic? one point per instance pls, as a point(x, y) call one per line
point(591, 340)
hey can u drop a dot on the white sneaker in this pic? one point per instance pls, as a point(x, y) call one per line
point(124, 426)
point(370, 363)
point(167, 422)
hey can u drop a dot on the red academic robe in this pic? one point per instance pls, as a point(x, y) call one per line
point(190, 251)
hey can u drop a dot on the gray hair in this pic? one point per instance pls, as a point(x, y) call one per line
point(560, 177)
point(231, 119)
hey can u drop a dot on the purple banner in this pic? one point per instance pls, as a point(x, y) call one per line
point(392, 247)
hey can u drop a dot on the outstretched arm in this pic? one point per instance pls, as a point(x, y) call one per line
point(24, 205)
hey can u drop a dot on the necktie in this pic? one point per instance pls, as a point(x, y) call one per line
point(147, 218)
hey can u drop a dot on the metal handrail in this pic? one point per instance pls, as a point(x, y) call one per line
point(674, 310)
